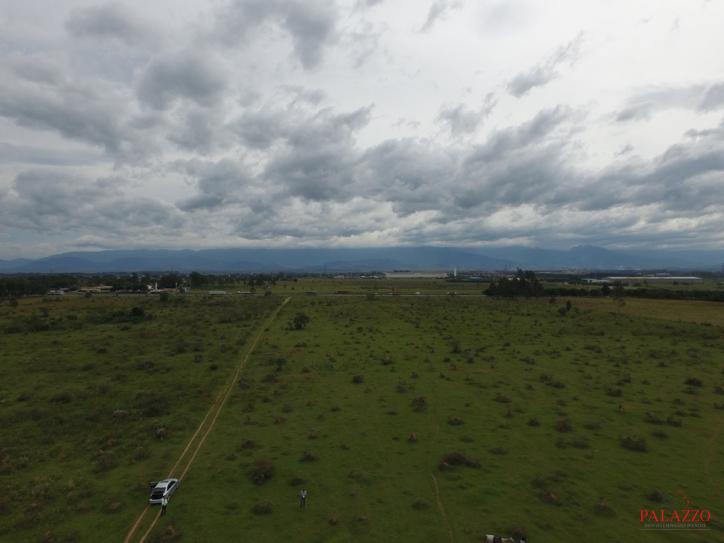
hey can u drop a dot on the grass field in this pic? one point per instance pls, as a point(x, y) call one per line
point(571, 421)
point(96, 399)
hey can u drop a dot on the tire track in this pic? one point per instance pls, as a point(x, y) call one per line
point(441, 508)
point(215, 409)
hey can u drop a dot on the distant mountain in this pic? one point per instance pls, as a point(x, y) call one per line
point(12, 264)
point(261, 260)
point(364, 260)
point(598, 258)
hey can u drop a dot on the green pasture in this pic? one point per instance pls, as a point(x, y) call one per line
point(571, 420)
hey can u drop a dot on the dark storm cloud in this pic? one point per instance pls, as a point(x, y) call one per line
point(200, 129)
point(546, 71)
point(368, 3)
point(408, 173)
point(463, 120)
point(460, 119)
point(687, 179)
point(437, 12)
point(96, 114)
point(713, 98)
point(48, 200)
point(187, 74)
point(317, 161)
point(111, 20)
point(26, 154)
point(310, 24)
point(700, 97)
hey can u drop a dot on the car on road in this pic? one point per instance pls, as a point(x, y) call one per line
point(163, 489)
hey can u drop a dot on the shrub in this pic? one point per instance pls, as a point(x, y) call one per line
point(603, 509)
point(261, 472)
point(563, 425)
point(262, 508)
point(614, 392)
point(634, 443)
point(105, 461)
point(61, 397)
point(420, 505)
point(672, 421)
point(308, 457)
point(454, 459)
point(358, 379)
point(533, 422)
point(455, 421)
point(655, 496)
point(693, 381)
point(419, 404)
point(550, 498)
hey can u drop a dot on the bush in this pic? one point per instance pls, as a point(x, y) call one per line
point(262, 508)
point(656, 496)
point(614, 392)
point(693, 381)
point(603, 509)
point(261, 472)
point(358, 379)
point(563, 425)
point(419, 404)
point(308, 457)
point(105, 461)
point(454, 459)
point(634, 443)
point(299, 322)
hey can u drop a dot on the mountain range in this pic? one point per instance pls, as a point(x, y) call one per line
point(248, 260)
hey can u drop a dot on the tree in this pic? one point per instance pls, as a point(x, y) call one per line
point(196, 280)
point(300, 321)
point(524, 283)
point(618, 292)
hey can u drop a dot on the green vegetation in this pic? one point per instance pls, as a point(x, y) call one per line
point(96, 399)
point(407, 418)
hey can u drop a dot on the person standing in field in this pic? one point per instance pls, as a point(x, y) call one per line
point(164, 504)
point(302, 498)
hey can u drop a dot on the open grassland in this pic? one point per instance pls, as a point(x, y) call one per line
point(381, 286)
point(97, 397)
point(569, 424)
point(704, 313)
point(410, 418)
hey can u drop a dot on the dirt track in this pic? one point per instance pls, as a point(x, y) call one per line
point(205, 427)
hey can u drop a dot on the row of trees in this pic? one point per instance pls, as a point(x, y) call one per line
point(39, 284)
point(523, 284)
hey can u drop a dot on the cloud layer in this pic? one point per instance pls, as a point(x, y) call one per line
point(359, 123)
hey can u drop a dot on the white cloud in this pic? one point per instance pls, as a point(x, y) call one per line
point(359, 122)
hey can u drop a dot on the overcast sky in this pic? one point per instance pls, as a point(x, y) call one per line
point(360, 123)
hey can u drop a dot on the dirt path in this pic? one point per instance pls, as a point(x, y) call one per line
point(211, 416)
point(441, 507)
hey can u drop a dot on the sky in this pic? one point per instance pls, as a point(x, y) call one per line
point(360, 123)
